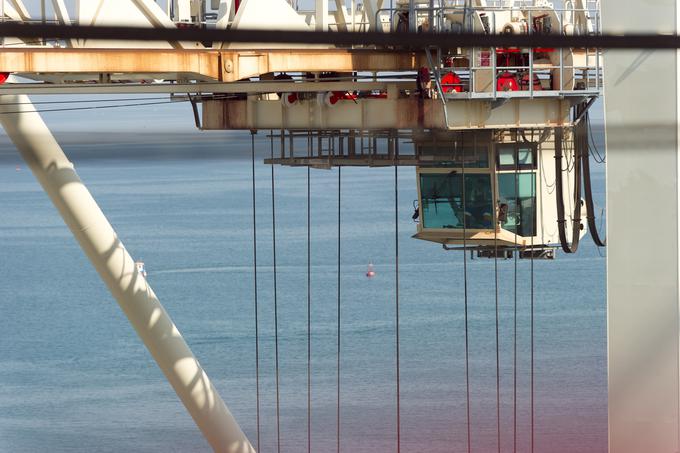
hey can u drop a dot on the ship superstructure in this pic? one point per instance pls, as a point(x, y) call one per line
point(500, 114)
point(497, 136)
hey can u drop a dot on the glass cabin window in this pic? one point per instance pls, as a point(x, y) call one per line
point(525, 156)
point(520, 195)
point(511, 156)
point(442, 204)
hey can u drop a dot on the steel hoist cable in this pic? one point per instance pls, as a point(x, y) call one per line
point(276, 314)
point(465, 295)
point(91, 101)
point(96, 107)
point(396, 298)
point(518, 222)
point(309, 302)
point(338, 334)
point(498, 359)
point(600, 159)
point(539, 156)
point(531, 329)
point(257, 324)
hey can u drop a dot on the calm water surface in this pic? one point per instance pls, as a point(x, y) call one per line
point(74, 377)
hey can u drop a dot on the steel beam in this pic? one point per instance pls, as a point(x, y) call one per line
point(196, 88)
point(223, 65)
point(205, 64)
point(372, 114)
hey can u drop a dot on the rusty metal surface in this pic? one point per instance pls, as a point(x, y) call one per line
point(59, 61)
point(222, 65)
point(374, 114)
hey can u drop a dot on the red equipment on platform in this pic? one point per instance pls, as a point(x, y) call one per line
point(451, 82)
point(507, 82)
point(524, 82)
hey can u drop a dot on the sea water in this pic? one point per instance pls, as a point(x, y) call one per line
point(74, 376)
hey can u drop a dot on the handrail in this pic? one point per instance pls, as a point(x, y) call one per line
point(566, 15)
point(442, 9)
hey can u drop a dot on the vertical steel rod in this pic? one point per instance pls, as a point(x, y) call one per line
point(396, 298)
point(339, 332)
point(255, 294)
point(276, 303)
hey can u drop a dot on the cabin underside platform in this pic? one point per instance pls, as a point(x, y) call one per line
point(376, 114)
point(487, 238)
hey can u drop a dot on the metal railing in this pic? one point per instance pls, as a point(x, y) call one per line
point(481, 68)
point(564, 74)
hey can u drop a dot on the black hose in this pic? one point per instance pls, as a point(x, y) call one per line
point(587, 187)
point(559, 194)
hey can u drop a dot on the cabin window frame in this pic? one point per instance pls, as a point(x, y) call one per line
point(500, 167)
point(447, 168)
point(533, 173)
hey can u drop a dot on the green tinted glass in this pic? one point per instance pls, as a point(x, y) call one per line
point(506, 155)
point(525, 155)
point(520, 196)
point(443, 206)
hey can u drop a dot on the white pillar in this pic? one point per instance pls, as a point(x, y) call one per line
point(321, 15)
point(641, 111)
point(116, 267)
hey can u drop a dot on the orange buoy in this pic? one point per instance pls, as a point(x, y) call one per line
point(370, 273)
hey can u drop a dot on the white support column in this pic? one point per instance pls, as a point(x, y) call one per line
point(117, 269)
point(641, 110)
point(63, 17)
point(371, 7)
point(342, 15)
point(321, 15)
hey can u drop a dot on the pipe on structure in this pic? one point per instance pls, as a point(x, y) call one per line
point(96, 236)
